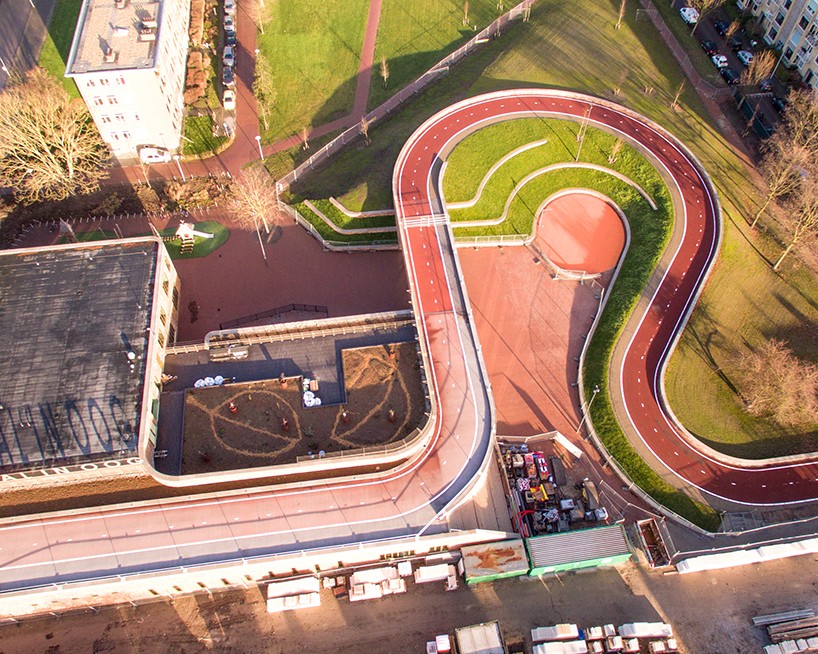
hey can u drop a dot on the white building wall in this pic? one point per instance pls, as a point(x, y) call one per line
point(135, 105)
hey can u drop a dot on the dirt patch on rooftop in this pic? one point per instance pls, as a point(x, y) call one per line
point(267, 423)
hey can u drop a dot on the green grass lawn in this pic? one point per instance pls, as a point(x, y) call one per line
point(563, 46)
point(315, 49)
point(57, 43)
point(340, 219)
point(414, 36)
point(472, 158)
point(201, 246)
point(198, 136)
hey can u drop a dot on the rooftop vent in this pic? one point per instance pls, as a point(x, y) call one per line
point(147, 34)
point(149, 22)
point(120, 31)
point(121, 4)
point(110, 55)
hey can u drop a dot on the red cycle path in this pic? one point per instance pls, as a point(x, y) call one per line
point(404, 502)
point(659, 326)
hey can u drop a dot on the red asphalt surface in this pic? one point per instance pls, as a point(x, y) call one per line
point(118, 540)
point(580, 232)
point(674, 298)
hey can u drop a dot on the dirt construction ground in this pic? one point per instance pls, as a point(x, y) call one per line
point(268, 423)
point(710, 613)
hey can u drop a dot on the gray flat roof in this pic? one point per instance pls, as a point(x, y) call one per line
point(103, 25)
point(68, 317)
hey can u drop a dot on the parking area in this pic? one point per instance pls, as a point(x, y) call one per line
point(760, 95)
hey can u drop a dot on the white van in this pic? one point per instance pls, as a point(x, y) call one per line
point(689, 15)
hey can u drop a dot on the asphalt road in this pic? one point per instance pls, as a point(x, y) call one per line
point(23, 27)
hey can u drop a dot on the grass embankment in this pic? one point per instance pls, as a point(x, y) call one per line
point(315, 49)
point(562, 46)
point(57, 45)
point(345, 222)
point(414, 36)
point(650, 230)
point(473, 157)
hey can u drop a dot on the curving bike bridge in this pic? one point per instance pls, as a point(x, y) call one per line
point(413, 499)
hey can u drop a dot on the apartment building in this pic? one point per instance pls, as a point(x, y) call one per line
point(790, 26)
point(128, 60)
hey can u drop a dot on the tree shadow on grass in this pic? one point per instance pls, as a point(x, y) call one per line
point(367, 169)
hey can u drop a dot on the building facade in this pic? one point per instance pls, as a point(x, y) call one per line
point(128, 60)
point(791, 27)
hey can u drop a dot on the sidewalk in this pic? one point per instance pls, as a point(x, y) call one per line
point(704, 89)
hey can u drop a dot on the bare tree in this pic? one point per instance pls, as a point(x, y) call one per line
point(800, 217)
point(704, 7)
point(50, 147)
point(384, 71)
point(260, 13)
point(761, 67)
point(622, 6)
point(732, 29)
point(775, 383)
point(616, 150)
point(264, 88)
point(623, 77)
point(254, 201)
point(364, 127)
point(780, 168)
point(675, 104)
point(791, 150)
point(801, 119)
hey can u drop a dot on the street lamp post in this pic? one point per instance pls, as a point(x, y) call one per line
point(587, 410)
point(177, 159)
point(260, 153)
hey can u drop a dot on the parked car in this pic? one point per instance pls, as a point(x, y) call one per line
point(719, 61)
point(229, 100)
point(151, 155)
point(689, 15)
point(228, 77)
point(230, 7)
point(735, 43)
point(228, 58)
point(229, 24)
point(730, 76)
point(721, 27)
point(745, 57)
point(766, 84)
point(779, 104)
point(710, 48)
point(230, 38)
